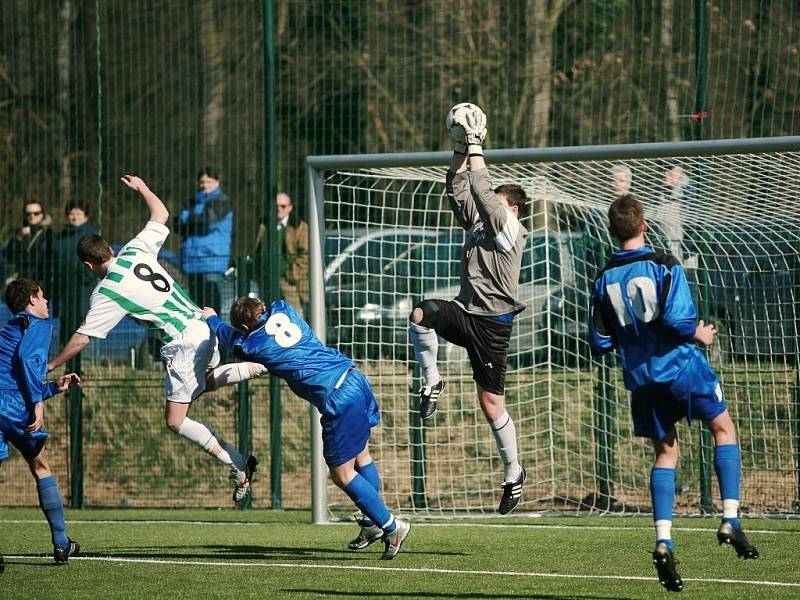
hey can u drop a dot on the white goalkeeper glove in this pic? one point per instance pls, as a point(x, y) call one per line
point(456, 116)
point(474, 125)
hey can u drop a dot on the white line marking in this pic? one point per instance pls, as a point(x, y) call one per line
point(416, 524)
point(409, 570)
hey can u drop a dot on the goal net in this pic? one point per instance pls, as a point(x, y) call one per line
point(732, 219)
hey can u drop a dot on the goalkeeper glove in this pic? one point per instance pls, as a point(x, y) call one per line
point(453, 121)
point(474, 125)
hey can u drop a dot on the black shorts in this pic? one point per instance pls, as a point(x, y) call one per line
point(485, 338)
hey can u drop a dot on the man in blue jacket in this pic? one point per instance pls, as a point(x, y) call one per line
point(207, 231)
point(24, 345)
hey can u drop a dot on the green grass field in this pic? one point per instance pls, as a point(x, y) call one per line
point(259, 554)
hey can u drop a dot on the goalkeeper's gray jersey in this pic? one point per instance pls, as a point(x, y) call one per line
point(492, 253)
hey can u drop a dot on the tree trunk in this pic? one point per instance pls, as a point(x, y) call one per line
point(211, 47)
point(673, 132)
point(64, 64)
point(536, 97)
point(540, 70)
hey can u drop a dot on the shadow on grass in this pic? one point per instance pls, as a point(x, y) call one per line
point(217, 551)
point(428, 594)
point(27, 563)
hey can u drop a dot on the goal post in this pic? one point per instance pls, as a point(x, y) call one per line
point(382, 226)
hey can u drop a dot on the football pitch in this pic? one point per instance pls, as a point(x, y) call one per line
point(267, 554)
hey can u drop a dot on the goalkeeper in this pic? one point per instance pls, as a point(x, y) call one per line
point(481, 316)
point(641, 305)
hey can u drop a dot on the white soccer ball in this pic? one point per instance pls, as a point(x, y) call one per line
point(455, 117)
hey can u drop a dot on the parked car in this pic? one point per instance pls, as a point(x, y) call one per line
point(554, 283)
point(747, 279)
point(360, 280)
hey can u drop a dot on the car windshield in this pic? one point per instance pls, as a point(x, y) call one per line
point(350, 256)
point(439, 261)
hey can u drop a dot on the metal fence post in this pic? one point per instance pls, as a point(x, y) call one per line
point(77, 499)
point(605, 414)
point(417, 437)
point(795, 284)
point(705, 442)
point(245, 406)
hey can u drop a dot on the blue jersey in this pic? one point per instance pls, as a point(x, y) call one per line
point(285, 344)
point(642, 306)
point(24, 345)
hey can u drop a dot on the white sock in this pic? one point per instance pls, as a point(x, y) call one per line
point(236, 373)
point(663, 530)
point(426, 347)
point(505, 435)
point(730, 509)
point(204, 437)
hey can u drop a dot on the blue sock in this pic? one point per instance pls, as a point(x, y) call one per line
point(727, 464)
point(370, 473)
point(369, 502)
point(668, 543)
point(662, 493)
point(50, 501)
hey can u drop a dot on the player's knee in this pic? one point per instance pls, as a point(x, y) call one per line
point(39, 466)
point(341, 478)
point(426, 313)
point(723, 429)
point(492, 405)
point(174, 422)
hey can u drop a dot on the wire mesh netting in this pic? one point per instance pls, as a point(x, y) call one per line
point(730, 220)
point(246, 89)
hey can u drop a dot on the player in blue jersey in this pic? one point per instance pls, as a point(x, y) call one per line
point(24, 344)
point(642, 306)
point(280, 340)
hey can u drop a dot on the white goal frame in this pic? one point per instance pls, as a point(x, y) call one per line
point(318, 165)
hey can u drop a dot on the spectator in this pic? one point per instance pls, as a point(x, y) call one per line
point(678, 194)
point(621, 178)
point(207, 229)
point(31, 249)
point(73, 284)
point(293, 247)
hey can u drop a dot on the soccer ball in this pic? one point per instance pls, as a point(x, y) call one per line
point(455, 116)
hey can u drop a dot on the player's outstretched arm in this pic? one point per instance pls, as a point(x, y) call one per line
point(158, 212)
point(76, 343)
point(228, 336)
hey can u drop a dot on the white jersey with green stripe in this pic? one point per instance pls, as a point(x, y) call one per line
point(138, 286)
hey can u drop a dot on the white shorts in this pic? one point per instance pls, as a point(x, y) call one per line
point(187, 358)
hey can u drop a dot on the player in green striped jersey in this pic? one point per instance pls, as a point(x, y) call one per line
point(135, 284)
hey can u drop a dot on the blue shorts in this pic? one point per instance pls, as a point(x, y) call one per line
point(12, 430)
point(346, 433)
point(694, 394)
